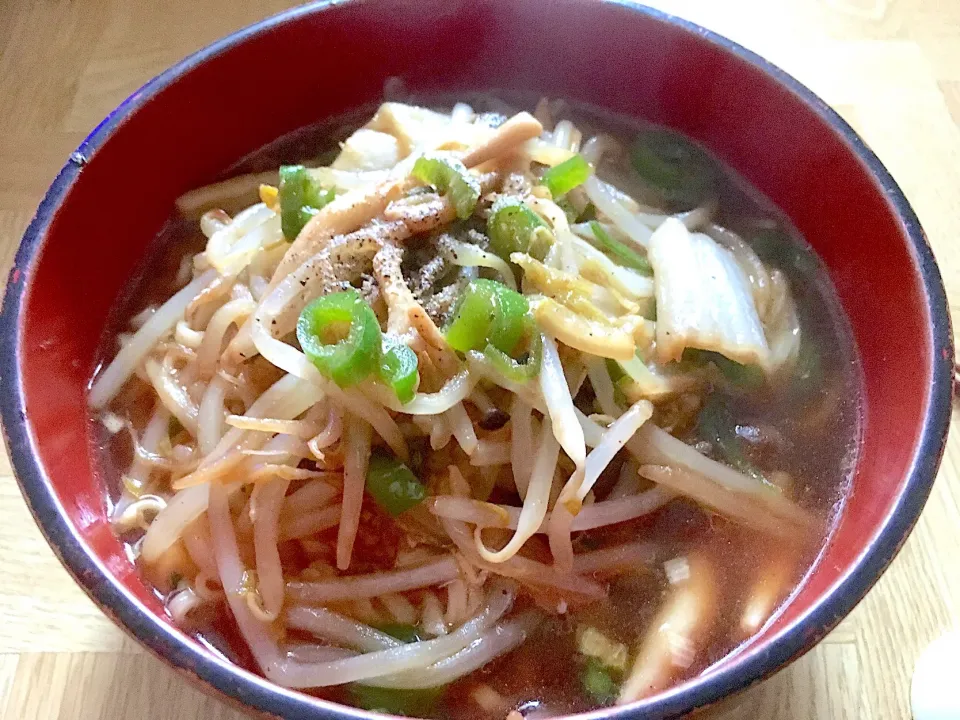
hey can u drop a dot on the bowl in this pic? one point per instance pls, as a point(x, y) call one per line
point(184, 127)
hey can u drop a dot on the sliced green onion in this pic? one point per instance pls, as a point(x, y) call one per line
point(598, 683)
point(588, 213)
point(512, 225)
point(516, 370)
point(618, 376)
point(716, 426)
point(450, 177)
point(489, 313)
point(512, 320)
point(340, 335)
point(777, 247)
point(496, 320)
point(301, 197)
point(399, 369)
point(470, 324)
point(568, 209)
point(679, 169)
point(616, 370)
point(410, 703)
point(621, 253)
point(747, 377)
point(392, 484)
point(401, 631)
point(562, 178)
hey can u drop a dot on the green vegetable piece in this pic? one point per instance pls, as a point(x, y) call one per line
point(512, 321)
point(562, 178)
point(679, 169)
point(619, 378)
point(750, 377)
point(746, 377)
point(541, 240)
point(568, 209)
point(472, 317)
point(516, 370)
point(410, 703)
point(775, 246)
point(301, 197)
point(621, 253)
point(489, 313)
point(495, 319)
point(717, 427)
point(450, 177)
point(399, 369)
point(511, 226)
point(341, 336)
point(598, 683)
point(588, 213)
point(401, 631)
point(616, 370)
point(392, 484)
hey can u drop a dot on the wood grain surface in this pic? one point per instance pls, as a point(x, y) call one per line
point(890, 67)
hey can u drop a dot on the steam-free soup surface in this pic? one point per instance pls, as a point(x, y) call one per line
point(468, 411)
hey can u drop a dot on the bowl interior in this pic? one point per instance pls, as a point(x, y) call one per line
point(182, 130)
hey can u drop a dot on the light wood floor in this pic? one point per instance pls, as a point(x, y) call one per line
point(892, 68)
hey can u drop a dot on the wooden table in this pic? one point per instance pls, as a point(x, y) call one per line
point(890, 67)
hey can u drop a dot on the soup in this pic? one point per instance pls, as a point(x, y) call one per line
point(478, 412)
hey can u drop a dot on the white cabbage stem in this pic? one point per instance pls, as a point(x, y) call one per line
point(703, 299)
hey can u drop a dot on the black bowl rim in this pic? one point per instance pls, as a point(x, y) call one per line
point(253, 692)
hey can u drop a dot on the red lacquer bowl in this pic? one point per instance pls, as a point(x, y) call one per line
point(184, 127)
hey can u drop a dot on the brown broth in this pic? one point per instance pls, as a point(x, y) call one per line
point(816, 437)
